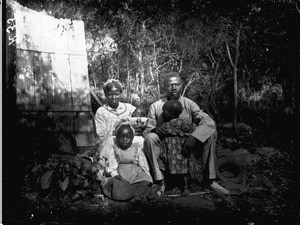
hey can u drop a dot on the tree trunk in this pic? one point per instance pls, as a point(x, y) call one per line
point(234, 65)
point(142, 75)
point(128, 81)
point(236, 58)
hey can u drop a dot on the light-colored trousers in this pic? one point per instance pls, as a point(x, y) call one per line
point(153, 146)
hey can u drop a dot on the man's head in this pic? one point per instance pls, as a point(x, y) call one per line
point(124, 135)
point(171, 109)
point(172, 85)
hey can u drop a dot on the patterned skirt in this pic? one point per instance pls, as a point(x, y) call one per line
point(171, 160)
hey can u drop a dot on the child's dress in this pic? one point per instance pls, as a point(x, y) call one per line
point(131, 163)
point(171, 159)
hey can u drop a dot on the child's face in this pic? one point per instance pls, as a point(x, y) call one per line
point(139, 112)
point(124, 137)
point(167, 116)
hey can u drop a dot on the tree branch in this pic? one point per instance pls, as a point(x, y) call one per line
point(191, 80)
point(227, 48)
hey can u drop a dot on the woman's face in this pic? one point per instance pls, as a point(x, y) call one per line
point(113, 96)
point(125, 137)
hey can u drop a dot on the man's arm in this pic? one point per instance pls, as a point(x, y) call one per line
point(206, 126)
point(151, 123)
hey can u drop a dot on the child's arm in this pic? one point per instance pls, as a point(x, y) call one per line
point(187, 127)
point(112, 164)
point(171, 129)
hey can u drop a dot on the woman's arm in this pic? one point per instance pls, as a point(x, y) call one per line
point(101, 124)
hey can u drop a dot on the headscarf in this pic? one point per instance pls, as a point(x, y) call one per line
point(112, 83)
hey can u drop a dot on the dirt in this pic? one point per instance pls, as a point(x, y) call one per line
point(265, 193)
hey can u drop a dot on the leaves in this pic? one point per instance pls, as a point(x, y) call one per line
point(46, 180)
point(64, 184)
point(65, 173)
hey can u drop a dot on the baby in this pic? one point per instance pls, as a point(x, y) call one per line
point(137, 120)
point(173, 133)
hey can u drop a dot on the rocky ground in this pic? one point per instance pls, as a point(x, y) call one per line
point(262, 186)
point(62, 190)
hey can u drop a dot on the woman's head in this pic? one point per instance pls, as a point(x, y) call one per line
point(113, 90)
point(172, 109)
point(124, 135)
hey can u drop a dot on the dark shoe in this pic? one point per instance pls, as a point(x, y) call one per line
point(186, 191)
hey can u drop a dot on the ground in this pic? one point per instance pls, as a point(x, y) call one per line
point(264, 193)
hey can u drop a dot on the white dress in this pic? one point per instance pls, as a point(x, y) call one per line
point(131, 163)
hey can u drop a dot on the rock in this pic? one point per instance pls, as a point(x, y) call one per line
point(267, 151)
point(240, 156)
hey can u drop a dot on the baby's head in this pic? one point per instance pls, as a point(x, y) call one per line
point(140, 112)
point(139, 117)
point(124, 135)
point(171, 109)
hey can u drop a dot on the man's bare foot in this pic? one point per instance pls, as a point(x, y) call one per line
point(218, 188)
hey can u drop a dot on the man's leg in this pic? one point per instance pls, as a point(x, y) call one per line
point(152, 149)
point(209, 158)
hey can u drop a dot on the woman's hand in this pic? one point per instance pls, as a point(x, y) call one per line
point(138, 129)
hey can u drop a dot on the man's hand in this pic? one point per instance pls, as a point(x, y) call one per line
point(118, 177)
point(160, 132)
point(188, 146)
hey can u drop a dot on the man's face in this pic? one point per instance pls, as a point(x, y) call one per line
point(173, 87)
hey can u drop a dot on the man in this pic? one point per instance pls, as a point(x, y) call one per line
point(204, 133)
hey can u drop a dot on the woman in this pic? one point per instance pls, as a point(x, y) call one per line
point(113, 111)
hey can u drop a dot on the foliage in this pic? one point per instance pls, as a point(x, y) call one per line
point(137, 42)
point(74, 176)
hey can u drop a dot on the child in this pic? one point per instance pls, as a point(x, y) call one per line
point(126, 163)
point(138, 120)
point(140, 112)
point(175, 131)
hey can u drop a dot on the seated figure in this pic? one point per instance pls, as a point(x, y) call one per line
point(125, 164)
